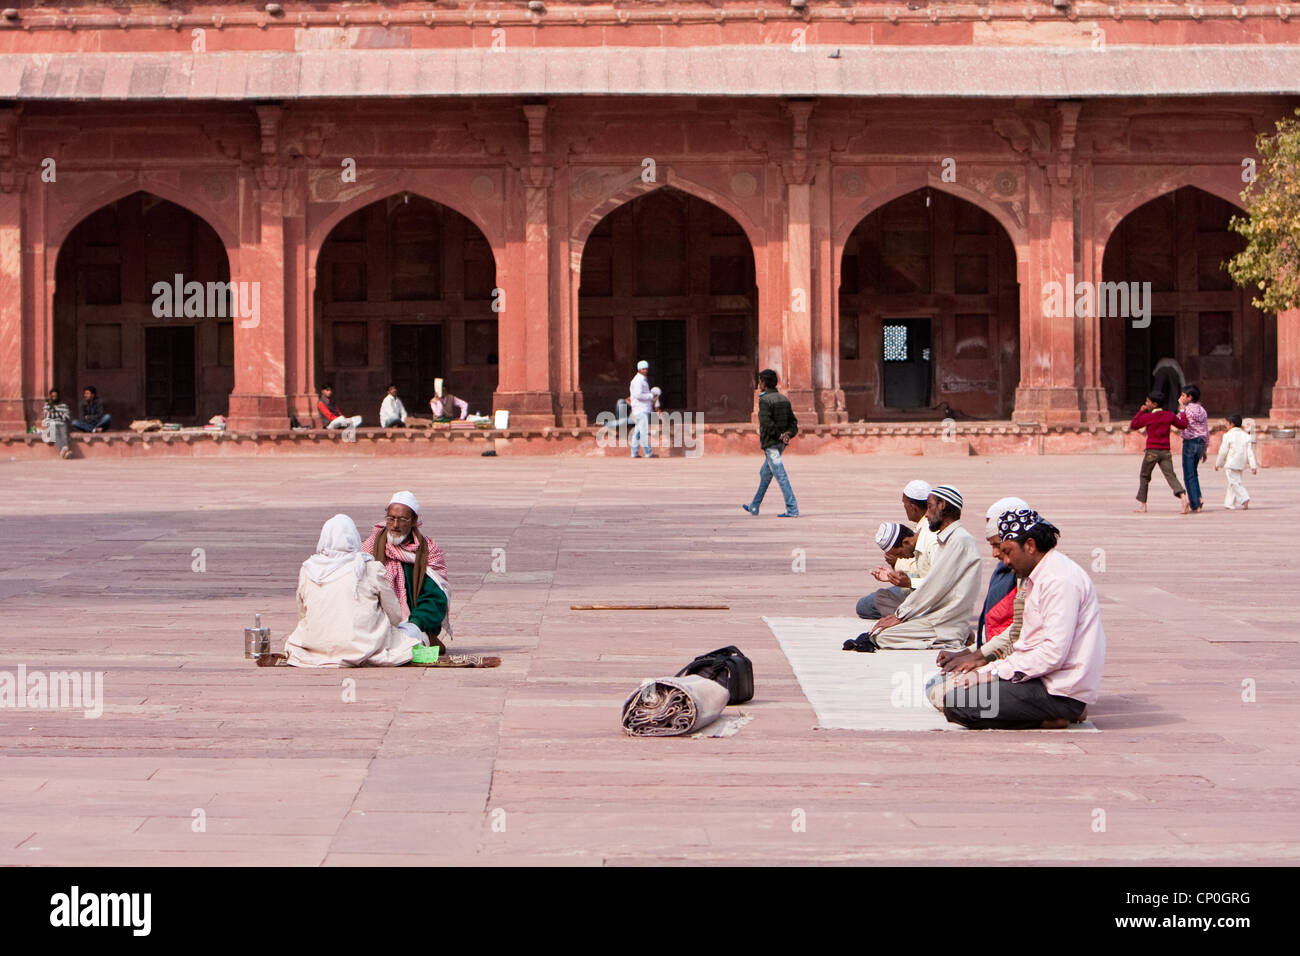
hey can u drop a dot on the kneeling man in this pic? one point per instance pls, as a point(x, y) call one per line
point(937, 612)
point(416, 568)
point(1054, 671)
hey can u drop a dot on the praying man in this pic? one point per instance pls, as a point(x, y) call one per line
point(416, 568)
point(937, 612)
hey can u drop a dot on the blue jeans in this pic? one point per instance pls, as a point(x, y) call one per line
point(772, 468)
point(641, 432)
point(81, 426)
point(1193, 449)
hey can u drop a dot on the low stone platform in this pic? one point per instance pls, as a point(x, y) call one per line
point(1277, 444)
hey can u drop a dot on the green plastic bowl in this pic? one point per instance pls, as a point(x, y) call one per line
point(424, 655)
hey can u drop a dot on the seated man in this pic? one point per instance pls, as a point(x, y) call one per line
point(1000, 620)
point(898, 541)
point(329, 411)
point(937, 613)
point(54, 425)
point(392, 413)
point(416, 568)
point(1054, 671)
point(904, 574)
point(347, 611)
point(93, 417)
point(447, 406)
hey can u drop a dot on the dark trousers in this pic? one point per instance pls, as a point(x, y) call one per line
point(878, 604)
point(1193, 449)
point(1005, 705)
point(1165, 459)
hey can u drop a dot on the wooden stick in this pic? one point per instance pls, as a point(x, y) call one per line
point(649, 607)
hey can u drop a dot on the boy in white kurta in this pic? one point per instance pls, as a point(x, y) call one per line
point(1236, 451)
point(347, 611)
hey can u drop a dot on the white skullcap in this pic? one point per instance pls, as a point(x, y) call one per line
point(405, 498)
point(890, 533)
point(917, 490)
point(642, 365)
point(995, 511)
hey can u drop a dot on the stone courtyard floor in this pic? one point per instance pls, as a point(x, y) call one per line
point(201, 758)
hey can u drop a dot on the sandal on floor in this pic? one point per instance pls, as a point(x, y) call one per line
point(273, 660)
point(461, 660)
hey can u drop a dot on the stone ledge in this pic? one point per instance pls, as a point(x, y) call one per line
point(1277, 445)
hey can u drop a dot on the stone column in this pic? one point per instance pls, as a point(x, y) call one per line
point(13, 343)
point(524, 322)
point(827, 394)
point(1286, 393)
point(258, 400)
point(1059, 357)
point(796, 339)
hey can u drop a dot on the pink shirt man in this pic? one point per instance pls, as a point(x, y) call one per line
point(1062, 640)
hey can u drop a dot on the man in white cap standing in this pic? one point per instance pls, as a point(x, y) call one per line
point(938, 611)
point(416, 568)
point(641, 402)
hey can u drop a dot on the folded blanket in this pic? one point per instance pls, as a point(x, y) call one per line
point(670, 706)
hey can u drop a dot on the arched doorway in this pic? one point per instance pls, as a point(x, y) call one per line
point(406, 293)
point(669, 278)
point(929, 312)
point(143, 311)
point(1179, 242)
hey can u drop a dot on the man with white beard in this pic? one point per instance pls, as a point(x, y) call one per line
point(416, 568)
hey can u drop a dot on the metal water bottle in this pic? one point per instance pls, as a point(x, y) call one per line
point(257, 639)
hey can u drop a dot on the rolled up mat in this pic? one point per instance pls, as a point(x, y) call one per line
point(668, 706)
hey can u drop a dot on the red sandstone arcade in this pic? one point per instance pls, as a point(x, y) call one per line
point(526, 198)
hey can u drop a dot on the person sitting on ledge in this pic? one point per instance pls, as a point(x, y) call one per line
point(416, 568)
point(1054, 671)
point(93, 417)
point(330, 414)
point(54, 425)
point(938, 612)
point(348, 614)
point(392, 413)
point(447, 406)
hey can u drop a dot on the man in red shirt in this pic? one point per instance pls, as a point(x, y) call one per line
point(1157, 423)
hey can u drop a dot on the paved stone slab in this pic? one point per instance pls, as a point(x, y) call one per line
point(1197, 761)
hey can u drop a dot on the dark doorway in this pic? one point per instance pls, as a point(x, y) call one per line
point(662, 343)
point(906, 361)
point(415, 357)
point(1143, 349)
point(169, 372)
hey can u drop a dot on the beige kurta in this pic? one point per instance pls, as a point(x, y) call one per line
point(349, 623)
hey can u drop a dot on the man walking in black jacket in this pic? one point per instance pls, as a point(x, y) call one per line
point(776, 426)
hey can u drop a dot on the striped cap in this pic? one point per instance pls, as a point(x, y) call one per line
point(890, 533)
point(949, 494)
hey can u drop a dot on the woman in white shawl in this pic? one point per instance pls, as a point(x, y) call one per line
point(347, 611)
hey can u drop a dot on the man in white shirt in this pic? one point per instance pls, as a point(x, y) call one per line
point(1054, 672)
point(392, 413)
point(641, 402)
point(937, 613)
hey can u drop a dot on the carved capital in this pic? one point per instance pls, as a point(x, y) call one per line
point(270, 119)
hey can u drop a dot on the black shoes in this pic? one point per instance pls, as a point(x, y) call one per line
point(863, 642)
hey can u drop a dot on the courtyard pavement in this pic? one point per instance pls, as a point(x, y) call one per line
point(149, 571)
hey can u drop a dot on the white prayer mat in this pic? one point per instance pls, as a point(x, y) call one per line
point(850, 690)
